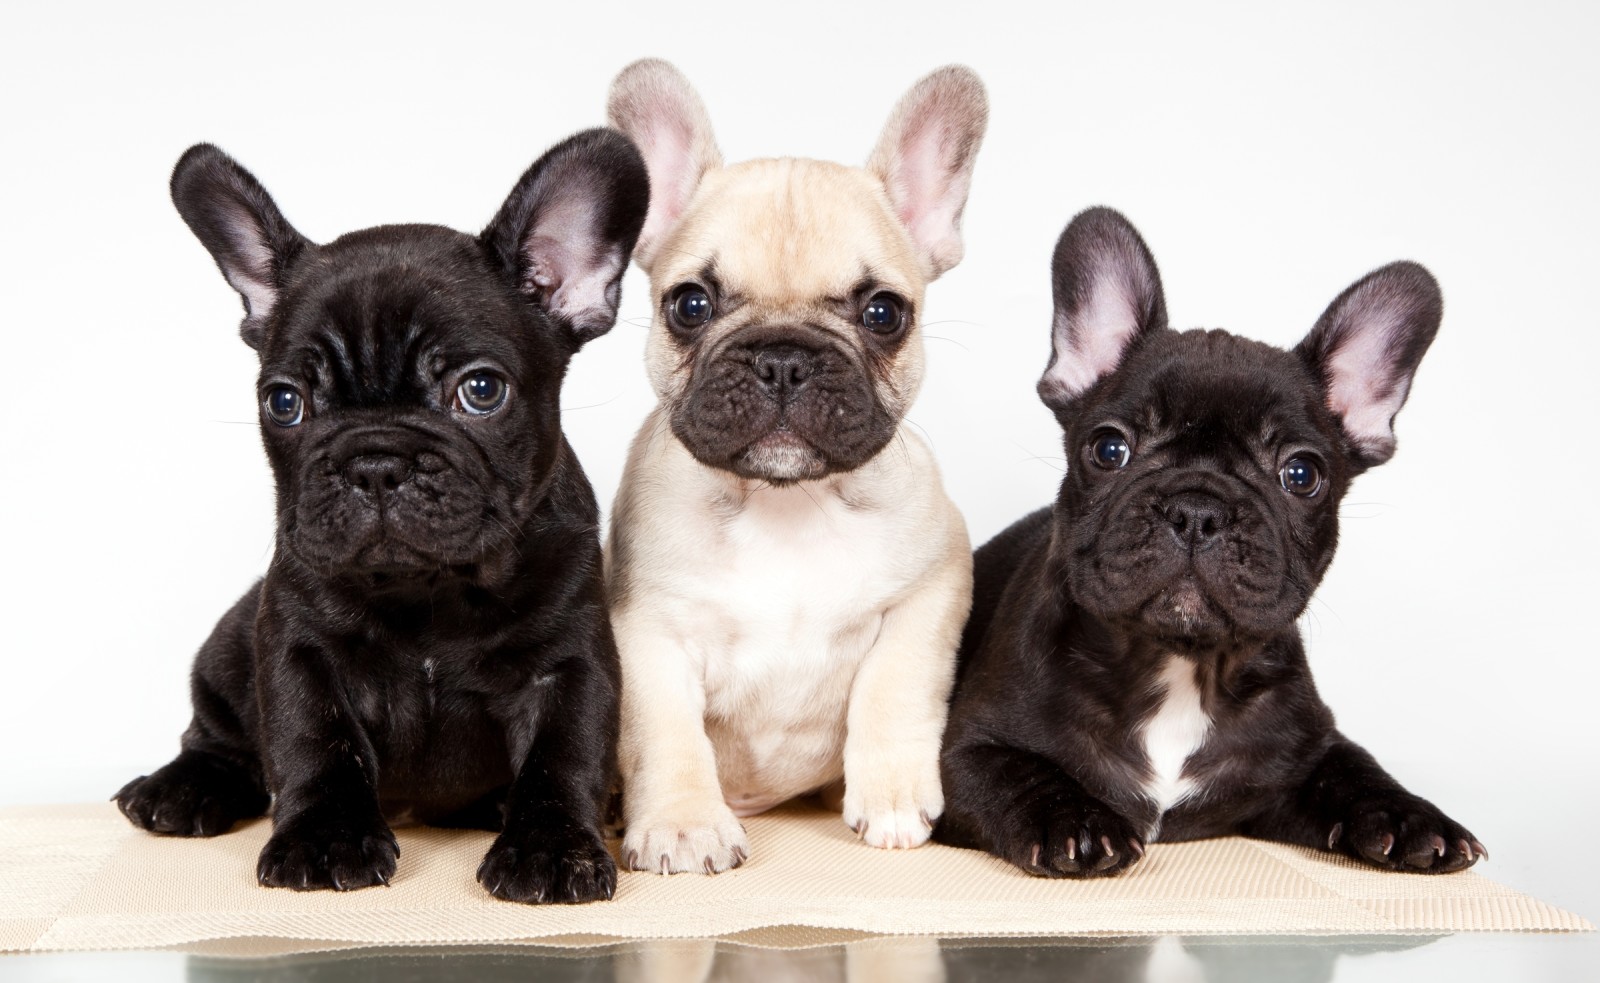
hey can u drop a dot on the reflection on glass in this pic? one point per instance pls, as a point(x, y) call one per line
point(1169, 959)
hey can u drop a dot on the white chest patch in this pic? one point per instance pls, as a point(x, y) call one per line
point(796, 589)
point(1177, 730)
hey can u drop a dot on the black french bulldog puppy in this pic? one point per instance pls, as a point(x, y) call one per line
point(430, 643)
point(1132, 669)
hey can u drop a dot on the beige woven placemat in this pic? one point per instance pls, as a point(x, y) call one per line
point(79, 877)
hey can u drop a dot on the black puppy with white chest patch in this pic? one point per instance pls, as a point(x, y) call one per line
point(430, 643)
point(1132, 669)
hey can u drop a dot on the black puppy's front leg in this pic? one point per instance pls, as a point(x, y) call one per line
point(551, 849)
point(1022, 807)
point(216, 780)
point(328, 831)
point(199, 793)
point(1349, 804)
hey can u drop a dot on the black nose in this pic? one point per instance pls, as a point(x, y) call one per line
point(1197, 519)
point(377, 474)
point(783, 370)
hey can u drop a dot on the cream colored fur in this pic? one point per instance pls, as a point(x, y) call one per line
point(777, 639)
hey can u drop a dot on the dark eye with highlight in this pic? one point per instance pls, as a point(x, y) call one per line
point(1300, 476)
point(481, 393)
point(690, 307)
point(883, 314)
point(1110, 450)
point(284, 406)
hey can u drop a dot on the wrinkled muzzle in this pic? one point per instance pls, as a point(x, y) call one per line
point(1188, 556)
point(393, 499)
point(782, 405)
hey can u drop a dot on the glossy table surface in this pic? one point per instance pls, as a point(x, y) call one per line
point(1285, 960)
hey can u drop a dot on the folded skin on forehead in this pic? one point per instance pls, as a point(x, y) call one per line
point(1192, 389)
point(788, 232)
point(389, 283)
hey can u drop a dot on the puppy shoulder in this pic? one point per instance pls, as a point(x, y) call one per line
point(939, 520)
point(998, 559)
point(904, 475)
point(1009, 576)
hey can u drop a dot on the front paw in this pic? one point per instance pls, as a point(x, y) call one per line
point(895, 810)
point(192, 796)
point(326, 850)
point(1404, 832)
point(541, 866)
point(704, 837)
point(1070, 836)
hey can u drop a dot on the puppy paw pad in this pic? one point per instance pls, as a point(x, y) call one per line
point(1406, 834)
point(188, 802)
point(709, 845)
point(900, 829)
point(894, 815)
point(535, 871)
point(340, 857)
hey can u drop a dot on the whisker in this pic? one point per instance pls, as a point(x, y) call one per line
point(935, 337)
point(802, 486)
point(905, 448)
point(925, 435)
point(1378, 507)
point(685, 252)
point(1055, 463)
point(590, 406)
point(1058, 463)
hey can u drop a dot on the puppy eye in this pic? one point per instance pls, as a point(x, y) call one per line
point(691, 307)
point(284, 406)
point(1110, 450)
point(883, 314)
point(481, 393)
point(1301, 476)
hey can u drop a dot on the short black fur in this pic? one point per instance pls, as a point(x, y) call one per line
point(1191, 557)
point(430, 643)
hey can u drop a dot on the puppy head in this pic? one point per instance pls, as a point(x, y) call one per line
point(410, 374)
point(1205, 470)
point(784, 344)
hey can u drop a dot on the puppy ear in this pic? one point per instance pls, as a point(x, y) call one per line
point(656, 107)
point(925, 159)
point(1107, 294)
point(565, 233)
point(236, 220)
point(1366, 347)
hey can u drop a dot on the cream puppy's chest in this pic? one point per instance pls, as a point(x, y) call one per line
point(794, 595)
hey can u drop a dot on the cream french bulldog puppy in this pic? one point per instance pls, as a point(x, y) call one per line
point(788, 578)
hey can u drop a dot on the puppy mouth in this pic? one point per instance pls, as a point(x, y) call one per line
point(782, 403)
point(406, 580)
point(383, 555)
point(781, 456)
point(1184, 613)
point(391, 556)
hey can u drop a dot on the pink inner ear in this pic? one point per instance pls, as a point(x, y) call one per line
point(929, 187)
point(1090, 340)
point(251, 274)
point(571, 274)
point(657, 108)
point(1362, 388)
point(668, 150)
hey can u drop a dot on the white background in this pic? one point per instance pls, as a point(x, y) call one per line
point(1271, 153)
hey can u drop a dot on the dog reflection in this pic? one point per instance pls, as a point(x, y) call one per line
point(890, 960)
point(1168, 959)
